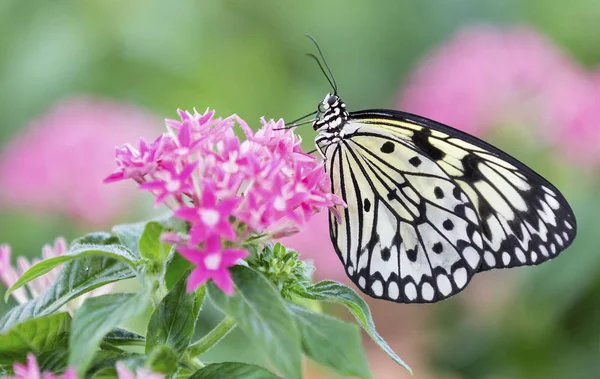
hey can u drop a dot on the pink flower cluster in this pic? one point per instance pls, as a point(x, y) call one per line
point(32, 371)
point(10, 274)
point(486, 76)
point(228, 190)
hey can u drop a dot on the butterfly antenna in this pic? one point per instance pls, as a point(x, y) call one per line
point(300, 118)
point(330, 77)
point(293, 125)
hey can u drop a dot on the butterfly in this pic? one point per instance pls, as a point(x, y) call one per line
point(429, 206)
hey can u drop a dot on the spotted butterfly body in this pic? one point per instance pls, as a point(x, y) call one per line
point(428, 206)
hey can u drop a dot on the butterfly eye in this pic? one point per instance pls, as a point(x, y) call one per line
point(331, 100)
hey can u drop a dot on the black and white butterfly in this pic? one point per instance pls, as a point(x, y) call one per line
point(428, 206)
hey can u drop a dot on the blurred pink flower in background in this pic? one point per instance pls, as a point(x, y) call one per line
point(31, 370)
point(58, 162)
point(10, 274)
point(487, 76)
point(313, 243)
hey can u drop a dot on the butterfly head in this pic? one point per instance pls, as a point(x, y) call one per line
point(331, 114)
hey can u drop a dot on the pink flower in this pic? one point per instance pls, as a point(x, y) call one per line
point(171, 182)
point(226, 189)
point(141, 373)
point(32, 371)
point(9, 275)
point(57, 163)
point(210, 217)
point(487, 75)
point(212, 262)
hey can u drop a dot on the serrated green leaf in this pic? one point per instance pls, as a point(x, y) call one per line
point(335, 292)
point(96, 318)
point(261, 314)
point(172, 322)
point(150, 245)
point(96, 238)
point(76, 278)
point(77, 251)
point(129, 235)
point(331, 342)
point(122, 337)
point(38, 335)
point(229, 370)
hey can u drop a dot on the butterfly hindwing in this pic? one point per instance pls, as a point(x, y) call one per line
point(524, 219)
point(409, 233)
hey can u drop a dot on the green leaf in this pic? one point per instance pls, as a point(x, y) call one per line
point(176, 268)
point(130, 234)
point(237, 370)
point(76, 278)
point(38, 335)
point(331, 342)
point(261, 313)
point(96, 238)
point(122, 337)
point(172, 322)
point(162, 359)
point(96, 318)
point(103, 364)
point(54, 360)
point(77, 251)
point(335, 292)
point(150, 245)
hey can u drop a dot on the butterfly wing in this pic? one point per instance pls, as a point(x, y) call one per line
point(523, 218)
point(409, 233)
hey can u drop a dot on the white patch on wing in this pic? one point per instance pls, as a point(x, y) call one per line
point(489, 258)
point(393, 290)
point(362, 282)
point(410, 291)
point(472, 256)
point(443, 284)
point(460, 277)
point(427, 291)
point(552, 202)
point(506, 258)
point(377, 287)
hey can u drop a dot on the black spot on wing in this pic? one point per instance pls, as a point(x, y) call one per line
point(421, 140)
point(367, 205)
point(415, 161)
point(412, 254)
point(439, 194)
point(448, 224)
point(386, 254)
point(388, 147)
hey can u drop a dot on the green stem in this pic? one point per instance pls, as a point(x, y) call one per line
point(212, 338)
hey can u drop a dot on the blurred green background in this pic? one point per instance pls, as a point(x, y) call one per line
point(247, 57)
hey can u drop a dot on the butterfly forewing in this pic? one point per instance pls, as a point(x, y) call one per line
point(523, 218)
